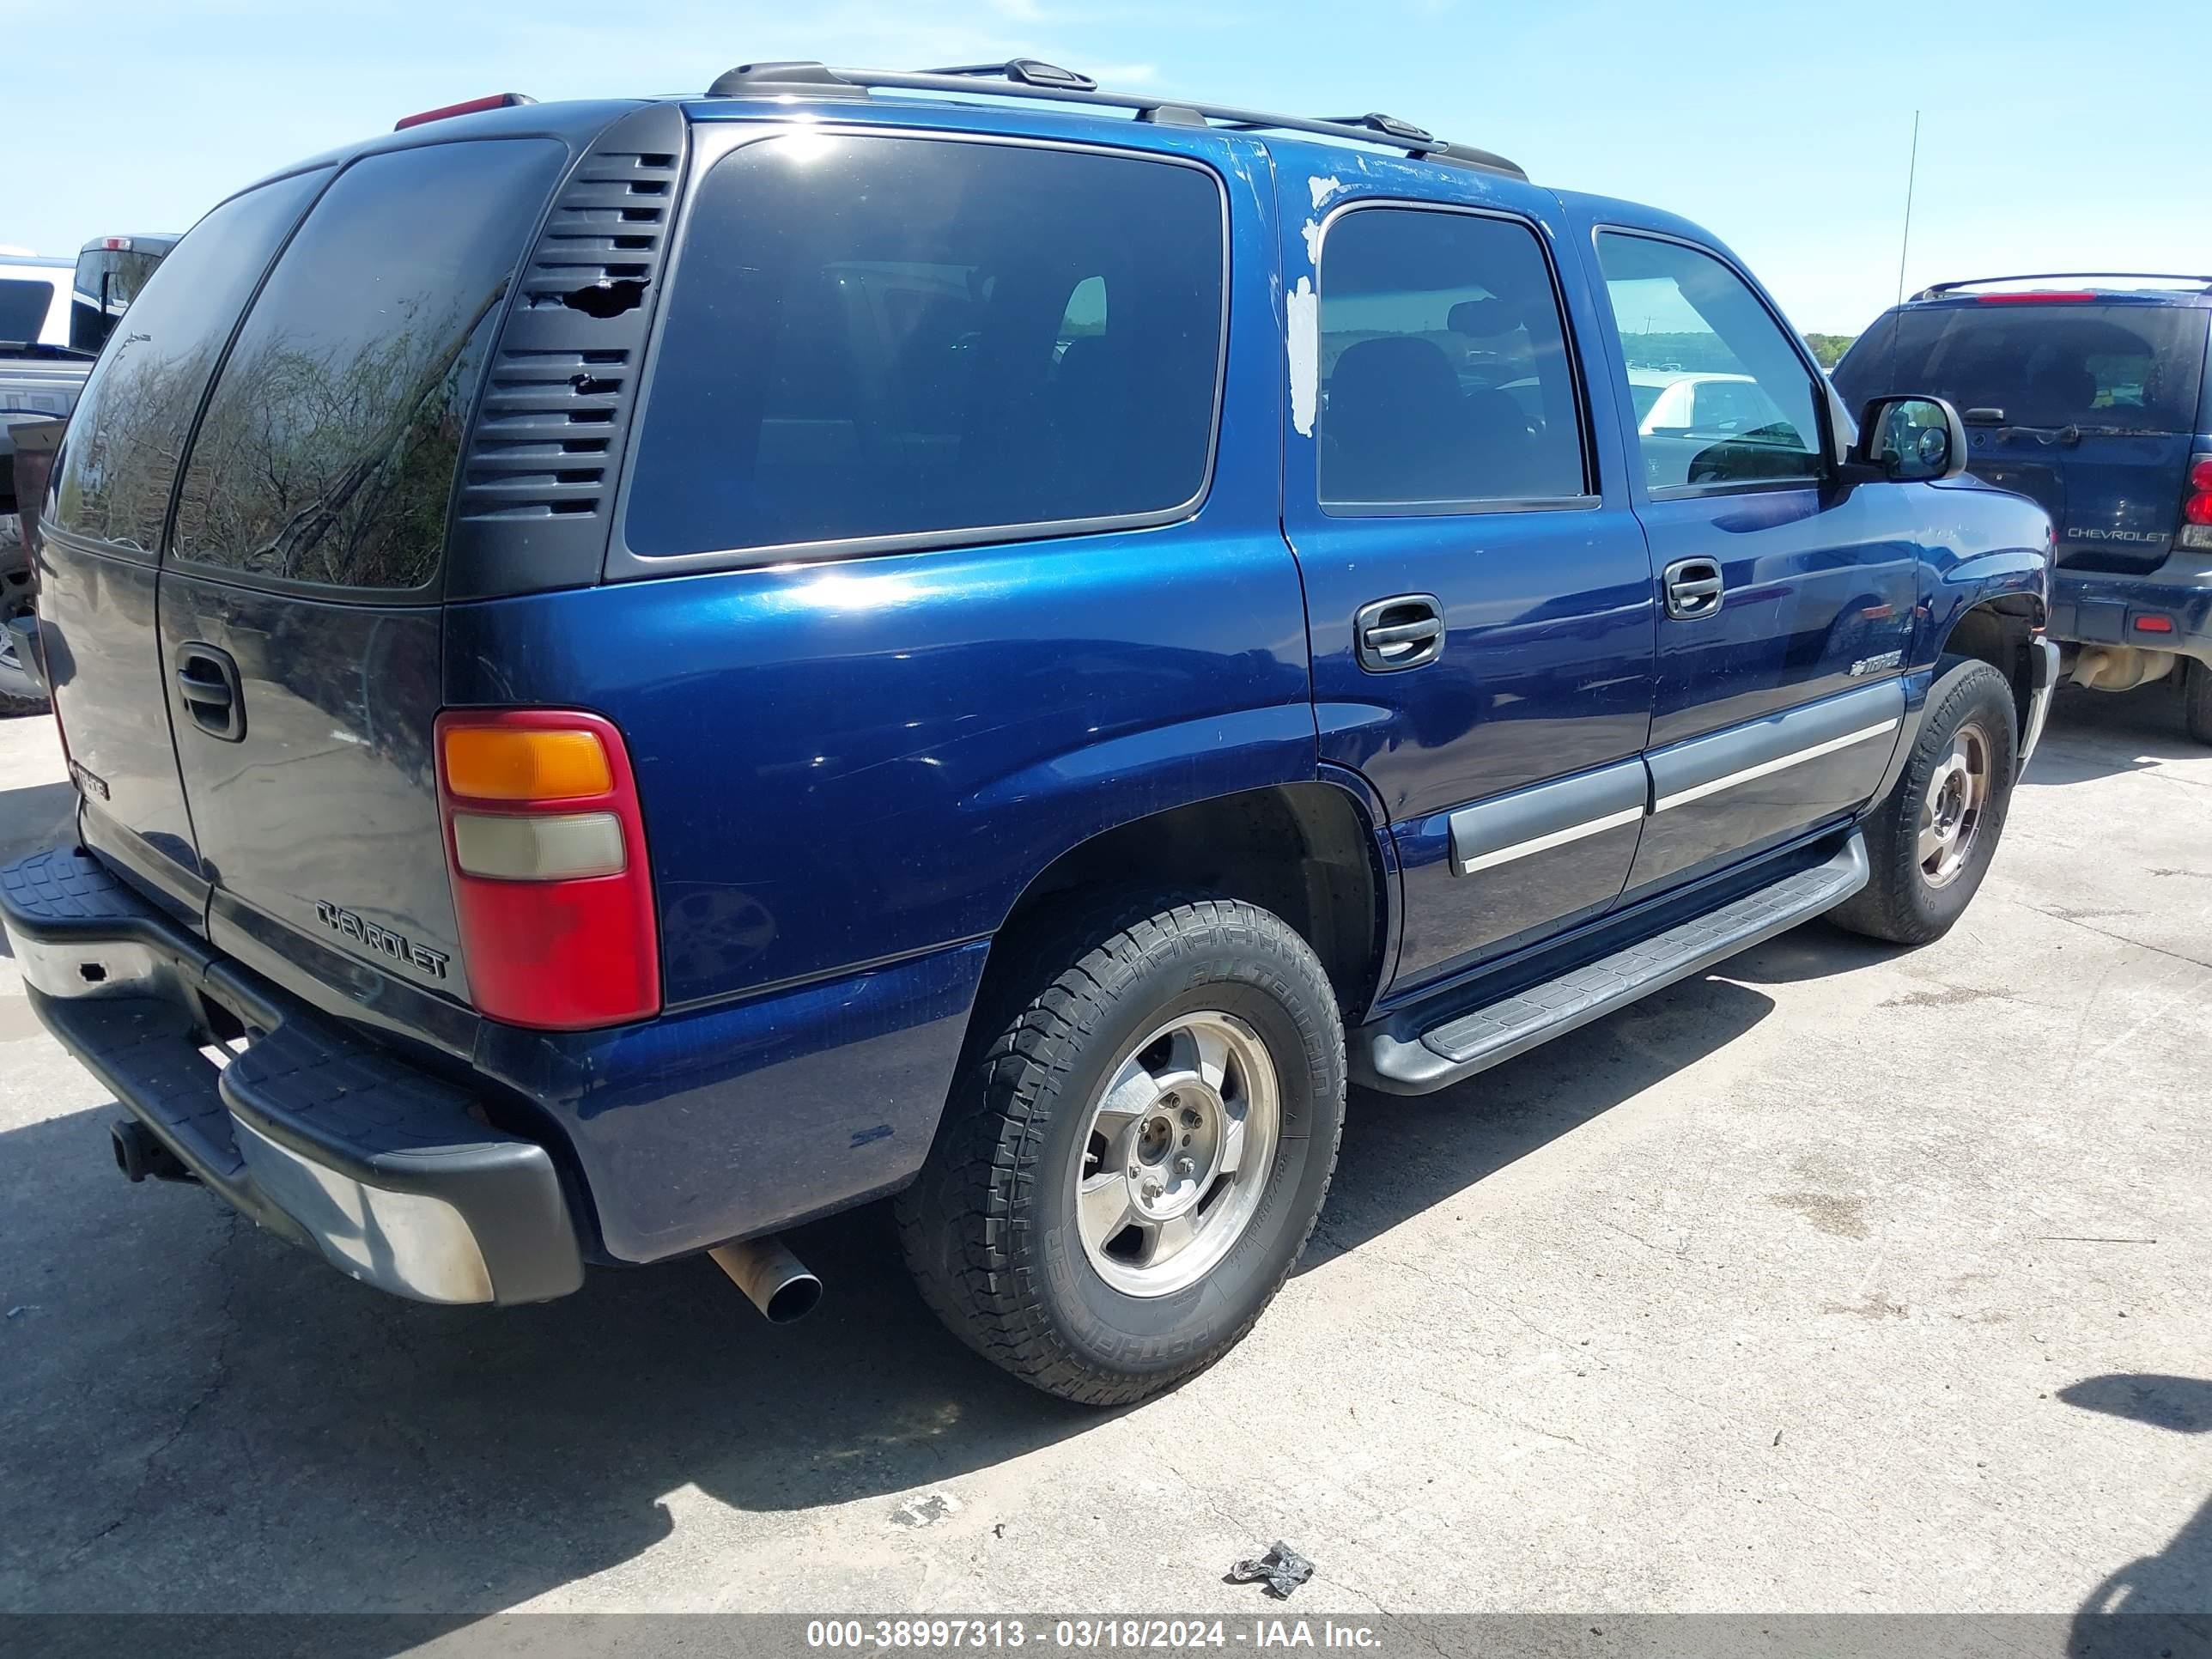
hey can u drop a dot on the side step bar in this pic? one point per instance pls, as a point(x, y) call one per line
point(1463, 1043)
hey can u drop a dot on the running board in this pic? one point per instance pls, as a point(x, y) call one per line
point(1385, 1057)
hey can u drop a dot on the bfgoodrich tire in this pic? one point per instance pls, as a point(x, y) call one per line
point(1132, 1162)
point(1931, 840)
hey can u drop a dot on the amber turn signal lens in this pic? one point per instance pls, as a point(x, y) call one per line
point(489, 763)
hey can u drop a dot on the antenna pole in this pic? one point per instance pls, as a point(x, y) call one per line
point(1911, 172)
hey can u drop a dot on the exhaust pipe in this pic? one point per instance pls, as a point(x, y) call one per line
point(139, 1153)
point(774, 1280)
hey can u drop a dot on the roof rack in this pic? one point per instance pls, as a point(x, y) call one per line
point(1937, 290)
point(1027, 77)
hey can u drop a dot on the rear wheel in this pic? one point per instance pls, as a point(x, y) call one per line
point(1931, 840)
point(2196, 699)
point(1126, 1175)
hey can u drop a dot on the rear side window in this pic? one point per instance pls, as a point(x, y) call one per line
point(128, 429)
point(24, 303)
point(1446, 380)
point(902, 337)
point(2133, 367)
point(1722, 398)
point(328, 451)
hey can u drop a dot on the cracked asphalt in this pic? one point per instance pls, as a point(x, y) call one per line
point(1846, 1278)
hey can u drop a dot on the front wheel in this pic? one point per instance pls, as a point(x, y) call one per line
point(1931, 840)
point(1128, 1172)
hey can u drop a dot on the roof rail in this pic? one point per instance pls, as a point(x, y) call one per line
point(1028, 77)
point(1937, 290)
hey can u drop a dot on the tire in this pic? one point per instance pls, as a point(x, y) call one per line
point(19, 692)
point(2196, 699)
point(1915, 894)
point(1042, 1283)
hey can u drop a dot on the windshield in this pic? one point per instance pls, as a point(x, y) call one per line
point(24, 302)
point(2130, 368)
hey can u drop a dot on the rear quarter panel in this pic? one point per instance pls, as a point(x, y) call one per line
point(850, 771)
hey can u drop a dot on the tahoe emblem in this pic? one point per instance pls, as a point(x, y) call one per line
point(397, 946)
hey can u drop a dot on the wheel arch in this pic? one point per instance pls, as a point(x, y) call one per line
point(2000, 629)
point(1313, 852)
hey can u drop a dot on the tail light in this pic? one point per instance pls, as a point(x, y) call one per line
point(2197, 505)
point(550, 883)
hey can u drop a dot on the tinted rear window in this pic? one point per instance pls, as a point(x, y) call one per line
point(130, 427)
point(2135, 368)
point(897, 337)
point(328, 451)
point(24, 302)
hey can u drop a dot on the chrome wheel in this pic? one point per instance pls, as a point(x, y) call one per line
point(1951, 809)
point(1176, 1158)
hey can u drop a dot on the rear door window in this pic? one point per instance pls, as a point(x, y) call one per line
point(328, 449)
point(2132, 368)
point(903, 338)
point(24, 303)
point(128, 429)
point(1446, 380)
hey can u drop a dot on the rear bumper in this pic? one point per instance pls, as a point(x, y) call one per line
point(2096, 607)
point(391, 1173)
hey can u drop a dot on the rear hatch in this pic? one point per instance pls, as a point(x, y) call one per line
point(2089, 406)
point(249, 643)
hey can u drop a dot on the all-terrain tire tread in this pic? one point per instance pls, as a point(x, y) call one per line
point(958, 1224)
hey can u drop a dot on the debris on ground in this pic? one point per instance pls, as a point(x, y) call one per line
point(1281, 1571)
point(925, 1510)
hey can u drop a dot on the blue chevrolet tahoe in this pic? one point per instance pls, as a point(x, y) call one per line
point(639, 673)
point(2091, 395)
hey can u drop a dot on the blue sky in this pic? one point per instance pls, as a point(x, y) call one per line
point(2054, 136)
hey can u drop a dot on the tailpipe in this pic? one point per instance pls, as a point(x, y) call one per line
point(774, 1280)
point(139, 1153)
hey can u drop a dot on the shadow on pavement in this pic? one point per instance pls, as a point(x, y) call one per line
point(1403, 1155)
point(2099, 734)
point(2177, 1580)
point(194, 1417)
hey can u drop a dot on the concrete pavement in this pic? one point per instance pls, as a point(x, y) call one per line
point(1844, 1279)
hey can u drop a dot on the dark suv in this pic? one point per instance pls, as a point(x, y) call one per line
point(2089, 394)
point(639, 673)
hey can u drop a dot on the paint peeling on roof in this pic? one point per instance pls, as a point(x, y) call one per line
point(1324, 188)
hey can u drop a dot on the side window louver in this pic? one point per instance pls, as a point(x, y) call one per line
point(537, 489)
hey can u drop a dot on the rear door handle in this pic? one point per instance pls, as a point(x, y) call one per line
point(1694, 588)
point(207, 682)
point(1390, 636)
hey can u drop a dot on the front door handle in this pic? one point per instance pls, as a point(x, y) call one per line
point(1694, 588)
point(1390, 635)
point(207, 682)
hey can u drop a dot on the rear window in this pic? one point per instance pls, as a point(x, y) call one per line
point(904, 337)
point(328, 449)
point(2132, 368)
point(129, 428)
point(24, 302)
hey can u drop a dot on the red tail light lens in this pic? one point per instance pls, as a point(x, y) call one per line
point(546, 848)
point(2195, 532)
point(2038, 297)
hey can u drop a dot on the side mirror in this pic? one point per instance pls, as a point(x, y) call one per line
point(1912, 439)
